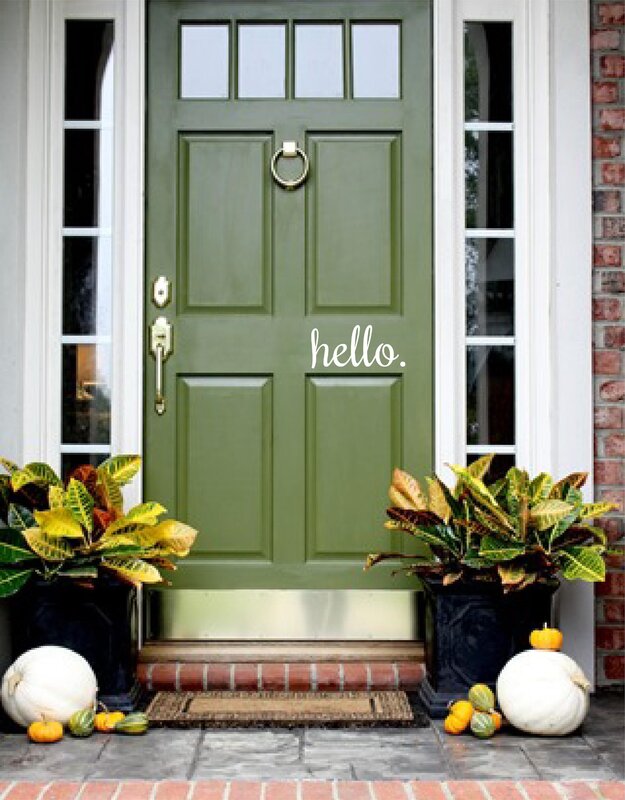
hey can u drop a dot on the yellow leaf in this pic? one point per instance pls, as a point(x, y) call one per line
point(56, 497)
point(112, 493)
point(171, 535)
point(437, 502)
point(80, 503)
point(133, 570)
point(399, 500)
point(410, 488)
point(47, 547)
point(146, 513)
point(121, 468)
point(59, 522)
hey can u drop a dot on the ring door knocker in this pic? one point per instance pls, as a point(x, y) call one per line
point(289, 150)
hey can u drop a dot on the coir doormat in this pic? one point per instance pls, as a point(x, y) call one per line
point(282, 709)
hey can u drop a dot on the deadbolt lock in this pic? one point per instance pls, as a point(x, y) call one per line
point(161, 291)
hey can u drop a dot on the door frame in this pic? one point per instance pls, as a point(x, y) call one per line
point(552, 85)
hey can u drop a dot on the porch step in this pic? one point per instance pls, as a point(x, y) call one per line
point(188, 676)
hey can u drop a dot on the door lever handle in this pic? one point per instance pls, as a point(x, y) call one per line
point(161, 347)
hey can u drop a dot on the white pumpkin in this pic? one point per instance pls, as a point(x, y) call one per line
point(51, 682)
point(543, 692)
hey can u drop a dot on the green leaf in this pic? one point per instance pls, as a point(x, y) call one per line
point(426, 526)
point(20, 518)
point(500, 550)
point(480, 466)
point(79, 572)
point(59, 522)
point(540, 487)
point(12, 580)
point(121, 468)
point(10, 466)
point(549, 512)
point(517, 488)
point(47, 547)
point(482, 496)
point(575, 479)
point(591, 510)
point(146, 513)
point(56, 497)
point(113, 497)
point(582, 563)
point(562, 526)
point(37, 473)
point(12, 547)
point(80, 503)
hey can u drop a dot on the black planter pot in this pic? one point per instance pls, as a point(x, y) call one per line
point(471, 631)
point(98, 623)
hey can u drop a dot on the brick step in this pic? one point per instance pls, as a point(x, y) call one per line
point(280, 676)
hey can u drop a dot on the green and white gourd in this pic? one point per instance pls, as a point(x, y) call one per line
point(133, 724)
point(544, 693)
point(482, 725)
point(82, 723)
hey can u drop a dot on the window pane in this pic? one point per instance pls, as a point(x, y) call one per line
point(88, 178)
point(488, 179)
point(375, 53)
point(204, 62)
point(490, 287)
point(488, 71)
point(70, 461)
point(88, 69)
point(262, 58)
point(490, 395)
point(86, 394)
point(499, 465)
point(318, 61)
point(87, 285)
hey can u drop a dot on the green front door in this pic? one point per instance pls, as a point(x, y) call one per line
point(281, 460)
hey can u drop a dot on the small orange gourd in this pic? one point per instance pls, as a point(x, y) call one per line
point(546, 638)
point(497, 719)
point(105, 721)
point(460, 713)
point(45, 731)
point(453, 725)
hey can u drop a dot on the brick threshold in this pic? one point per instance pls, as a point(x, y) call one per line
point(313, 790)
point(280, 676)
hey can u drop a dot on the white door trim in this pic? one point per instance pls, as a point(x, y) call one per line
point(553, 219)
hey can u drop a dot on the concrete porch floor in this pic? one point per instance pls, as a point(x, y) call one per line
point(597, 753)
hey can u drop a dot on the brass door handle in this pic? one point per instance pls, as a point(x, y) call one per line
point(289, 150)
point(161, 347)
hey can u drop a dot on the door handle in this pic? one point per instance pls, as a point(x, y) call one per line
point(161, 347)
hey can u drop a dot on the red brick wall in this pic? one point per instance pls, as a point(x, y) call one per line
point(608, 93)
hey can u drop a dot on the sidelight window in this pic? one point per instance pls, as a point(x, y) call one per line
point(87, 245)
point(489, 242)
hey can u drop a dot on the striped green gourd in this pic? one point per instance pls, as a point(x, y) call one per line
point(82, 722)
point(133, 724)
point(482, 725)
point(482, 697)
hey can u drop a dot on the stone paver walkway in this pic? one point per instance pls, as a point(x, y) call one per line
point(382, 754)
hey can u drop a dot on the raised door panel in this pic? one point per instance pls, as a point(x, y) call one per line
point(353, 227)
point(224, 217)
point(224, 476)
point(353, 441)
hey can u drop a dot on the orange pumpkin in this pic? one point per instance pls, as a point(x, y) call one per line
point(45, 731)
point(105, 721)
point(546, 639)
point(497, 719)
point(454, 725)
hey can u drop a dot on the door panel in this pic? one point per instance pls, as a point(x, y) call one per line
point(225, 223)
point(284, 468)
point(353, 428)
point(224, 432)
point(353, 249)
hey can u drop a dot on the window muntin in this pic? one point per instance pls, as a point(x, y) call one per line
point(87, 254)
point(489, 244)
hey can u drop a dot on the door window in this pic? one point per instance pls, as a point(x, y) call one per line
point(87, 242)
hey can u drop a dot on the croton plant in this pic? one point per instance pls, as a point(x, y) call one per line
point(78, 528)
point(515, 531)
